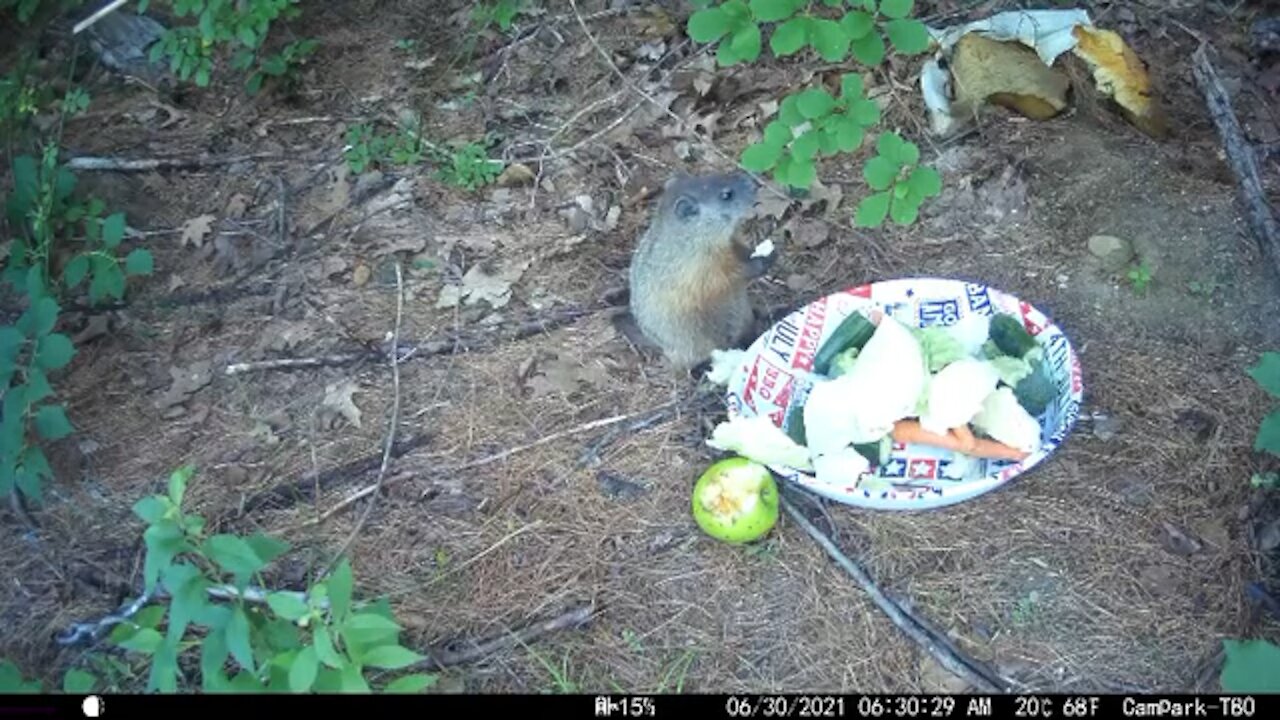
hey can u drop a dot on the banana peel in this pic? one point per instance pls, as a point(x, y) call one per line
point(1009, 60)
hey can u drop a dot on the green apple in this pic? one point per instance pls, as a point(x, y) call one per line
point(736, 500)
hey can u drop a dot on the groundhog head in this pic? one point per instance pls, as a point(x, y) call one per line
point(702, 200)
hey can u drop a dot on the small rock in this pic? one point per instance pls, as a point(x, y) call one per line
point(516, 174)
point(1178, 542)
point(1115, 253)
point(360, 276)
point(1269, 538)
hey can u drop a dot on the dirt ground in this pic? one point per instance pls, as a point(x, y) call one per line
point(1119, 564)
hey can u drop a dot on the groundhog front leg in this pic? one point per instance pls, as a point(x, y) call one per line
point(759, 261)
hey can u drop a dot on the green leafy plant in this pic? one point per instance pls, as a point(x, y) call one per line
point(1139, 277)
point(861, 30)
point(52, 225)
point(1252, 666)
point(467, 166)
point(899, 182)
point(283, 66)
point(812, 124)
point(1266, 373)
point(367, 149)
point(12, 681)
point(320, 640)
point(499, 12)
point(240, 25)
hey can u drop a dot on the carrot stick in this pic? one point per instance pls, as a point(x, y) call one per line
point(910, 431)
point(965, 436)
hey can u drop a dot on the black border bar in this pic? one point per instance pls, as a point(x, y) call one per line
point(765, 706)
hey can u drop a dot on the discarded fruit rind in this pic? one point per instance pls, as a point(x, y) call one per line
point(1120, 73)
point(736, 500)
point(1008, 74)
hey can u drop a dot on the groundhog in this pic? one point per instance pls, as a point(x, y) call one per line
point(689, 275)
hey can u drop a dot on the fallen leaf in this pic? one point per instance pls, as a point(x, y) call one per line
point(338, 403)
point(195, 230)
point(237, 205)
point(263, 433)
point(1008, 74)
point(478, 285)
point(175, 282)
point(360, 276)
point(1120, 73)
point(96, 327)
point(809, 233)
point(556, 376)
point(186, 381)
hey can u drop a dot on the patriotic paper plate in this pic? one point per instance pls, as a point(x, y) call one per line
point(777, 371)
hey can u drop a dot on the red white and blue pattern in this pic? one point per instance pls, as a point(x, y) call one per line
point(778, 371)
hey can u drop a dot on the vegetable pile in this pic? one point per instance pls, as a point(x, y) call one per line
point(973, 388)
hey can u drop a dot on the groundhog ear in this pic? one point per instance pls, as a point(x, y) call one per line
point(686, 207)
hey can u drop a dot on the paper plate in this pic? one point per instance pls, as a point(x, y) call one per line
point(777, 371)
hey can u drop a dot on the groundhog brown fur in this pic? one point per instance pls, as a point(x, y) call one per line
point(689, 275)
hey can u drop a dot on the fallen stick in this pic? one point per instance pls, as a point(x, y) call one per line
point(444, 657)
point(905, 621)
point(82, 631)
point(101, 13)
point(107, 164)
point(1239, 155)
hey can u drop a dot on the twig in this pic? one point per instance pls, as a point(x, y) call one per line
point(309, 482)
point(426, 348)
point(904, 620)
point(391, 429)
point(101, 13)
point(585, 427)
point(1239, 154)
point(614, 66)
point(82, 631)
point(446, 657)
point(126, 165)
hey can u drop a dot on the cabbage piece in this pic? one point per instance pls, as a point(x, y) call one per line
point(956, 394)
point(842, 467)
point(1004, 420)
point(757, 438)
point(882, 386)
point(1012, 370)
point(940, 346)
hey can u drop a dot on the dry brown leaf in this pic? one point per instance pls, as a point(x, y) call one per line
point(338, 403)
point(195, 230)
point(186, 381)
point(1120, 73)
point(478, 285)
point(556, 376)
point(237, 205)
point(809, 233)
point(1008, 74)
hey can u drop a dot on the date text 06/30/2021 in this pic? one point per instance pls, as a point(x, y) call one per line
point(945, 706)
